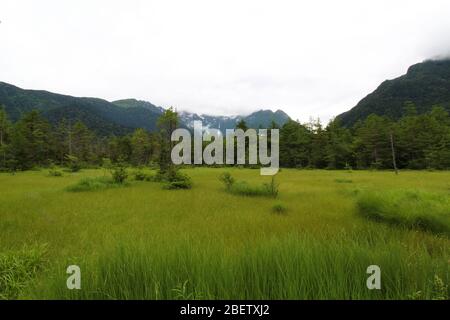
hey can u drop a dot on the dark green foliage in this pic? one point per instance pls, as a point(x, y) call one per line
point(119, 173)
point(31, 141)
point(141, 147)
point(73, 163)
point(167, 123)
point(425, 84)
point(174, 179)
point(420, 136)
point(295, 143)
point(99, 115)
point(5, 137)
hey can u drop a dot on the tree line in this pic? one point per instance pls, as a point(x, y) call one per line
point(415, 141)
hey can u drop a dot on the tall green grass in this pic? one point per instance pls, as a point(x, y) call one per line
point(18, 269)
point(411, 209)
point(292, 267)
point(145, 242)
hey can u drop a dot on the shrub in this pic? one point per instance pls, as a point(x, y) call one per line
point(119, 173)
point(177, 180)
point(410, 209)
point(279, 208)
point(271, 188)
point(227, 180)
point(172, 178)
point(139, 175)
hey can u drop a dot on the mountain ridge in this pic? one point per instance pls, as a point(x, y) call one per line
point(117, 117)
point(425, 84)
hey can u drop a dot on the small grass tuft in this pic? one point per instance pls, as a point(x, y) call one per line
point(343, 181)
point(54, 173)
point(279, 208)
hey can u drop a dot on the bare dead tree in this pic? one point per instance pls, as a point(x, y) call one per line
point(393, 153)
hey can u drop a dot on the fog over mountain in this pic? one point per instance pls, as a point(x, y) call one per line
point(309, 59)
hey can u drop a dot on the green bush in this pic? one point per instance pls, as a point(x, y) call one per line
point(177, 180)
point(119, 173)
point(227, 180)
point(139, 175)
point(410, 209)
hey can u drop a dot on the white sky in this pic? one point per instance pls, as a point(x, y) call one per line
point(309, 58)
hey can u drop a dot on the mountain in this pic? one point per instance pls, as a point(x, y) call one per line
point(261, 118)
point(101, 116)
point(425, 84)
point(133, 103)
point(117, 117)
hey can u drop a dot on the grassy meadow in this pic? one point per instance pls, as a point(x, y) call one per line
point(315, 240)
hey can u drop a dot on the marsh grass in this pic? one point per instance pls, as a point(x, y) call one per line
point(54, 173)
point(144, 242)
point(411, 209)
point(291, 267)
point(18, 269)
point(343, 181)
point(243, 188)
point(94, 184)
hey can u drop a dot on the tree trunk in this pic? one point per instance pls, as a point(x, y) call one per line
point(393, 154)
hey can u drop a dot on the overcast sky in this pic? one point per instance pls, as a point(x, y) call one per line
point(308, 58)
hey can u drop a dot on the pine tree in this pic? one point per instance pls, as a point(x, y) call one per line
point(339, 146)
point(167, 123)
point(32, 141)
point(141, 147)
point(295, 144)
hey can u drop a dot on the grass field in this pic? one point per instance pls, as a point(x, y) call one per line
point(142, 242)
